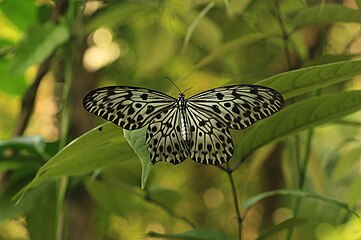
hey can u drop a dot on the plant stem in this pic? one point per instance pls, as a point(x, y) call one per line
point(69, 76)
point(62, 186)
point(235, 201)
point(285, 34)
point(302, 169)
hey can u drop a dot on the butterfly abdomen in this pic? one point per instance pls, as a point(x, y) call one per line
point(184, 124)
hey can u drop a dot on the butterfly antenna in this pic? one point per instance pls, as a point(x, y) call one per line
point(173, 83)
point(187, 89)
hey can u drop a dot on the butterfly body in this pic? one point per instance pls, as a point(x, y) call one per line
point(178, 128)
point(183, 122)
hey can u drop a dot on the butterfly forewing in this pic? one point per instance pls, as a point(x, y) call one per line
point(164, 138)
point(128, 107)
point(238, 106)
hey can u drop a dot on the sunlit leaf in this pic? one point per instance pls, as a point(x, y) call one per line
point(21, 13)
point(250, 202)
point(297, 117)
point(39, 43)
point(96, 149)
point(10, 83)
point(297, 82)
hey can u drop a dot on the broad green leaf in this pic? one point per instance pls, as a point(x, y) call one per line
point(137, 140)
point(297, 117)
point(250, 202)
point(287, 224)
point(297, 82)
point(10, 83)
point(113, 199)
point(39, 43)
point(98, 148)
point(325, 14)
point(21, 13)
point(194, 234)
point(120, 13)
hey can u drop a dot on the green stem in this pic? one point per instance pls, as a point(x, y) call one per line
point(62, 186)
point(69, 76)
point(235, 201)
point(285, 34)
point(302, 170)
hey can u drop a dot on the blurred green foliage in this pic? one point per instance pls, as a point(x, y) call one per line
point(295, 175)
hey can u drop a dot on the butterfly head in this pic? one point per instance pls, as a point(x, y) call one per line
point(181, 95)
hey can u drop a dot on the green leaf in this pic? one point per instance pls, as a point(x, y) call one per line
point(21, 13)
point(118, 14)
point(137, 140)
point(297, 82)
point(287, 224)
point(101, 147)
point(39, 43)
point(194, 234)
point(325, 14)
point(297, 117)
point(10, 83)
point(196, 23)
point(250, 202)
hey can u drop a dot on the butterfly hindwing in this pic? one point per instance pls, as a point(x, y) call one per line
point(211, 142)
point(238, 106)
point(164, 138)
point(128, 107)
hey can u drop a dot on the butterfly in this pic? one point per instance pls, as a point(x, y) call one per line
point(197, 127)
